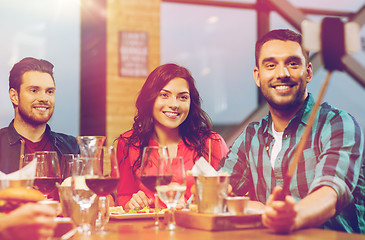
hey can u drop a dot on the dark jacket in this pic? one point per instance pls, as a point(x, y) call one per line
point(11, 143)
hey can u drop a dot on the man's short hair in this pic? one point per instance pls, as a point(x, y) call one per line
point(26, 65)
point(279, 34)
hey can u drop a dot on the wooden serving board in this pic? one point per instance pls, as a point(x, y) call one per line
point(211, 222)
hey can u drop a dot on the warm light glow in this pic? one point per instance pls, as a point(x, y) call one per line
point(213, 19)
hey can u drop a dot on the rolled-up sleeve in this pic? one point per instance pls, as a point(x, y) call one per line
point(341, 158)
point(236, 165)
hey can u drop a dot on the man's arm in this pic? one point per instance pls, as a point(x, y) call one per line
point(236, 165)
point(312, 211)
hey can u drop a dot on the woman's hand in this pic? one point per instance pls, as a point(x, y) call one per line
point(138, 199)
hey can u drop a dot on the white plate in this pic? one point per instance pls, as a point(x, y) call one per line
point(135, 215)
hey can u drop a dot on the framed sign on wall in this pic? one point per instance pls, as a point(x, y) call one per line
point(133, 54)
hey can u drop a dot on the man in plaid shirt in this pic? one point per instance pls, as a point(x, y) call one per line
point(327, 188)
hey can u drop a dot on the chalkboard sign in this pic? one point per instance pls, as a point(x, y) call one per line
point(133, 54)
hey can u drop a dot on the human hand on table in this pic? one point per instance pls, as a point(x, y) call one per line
point(138, 199)
point(30, 221)
point(278, 215)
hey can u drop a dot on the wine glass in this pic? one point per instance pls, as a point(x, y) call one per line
point(47, 172)
point(66, 164)
point(171, 192)
point(151, 157)
point(103, 181)
point(83, 196)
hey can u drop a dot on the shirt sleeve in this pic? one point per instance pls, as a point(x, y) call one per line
point(219, 149)
point(341, 157)
point(127, 183)
point(235, 164)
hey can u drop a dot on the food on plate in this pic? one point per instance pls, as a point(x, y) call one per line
point(143, 210)
point(14, 197)
point(116, 210)
point(119, 210)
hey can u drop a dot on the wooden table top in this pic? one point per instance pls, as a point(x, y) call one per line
point(136, 229)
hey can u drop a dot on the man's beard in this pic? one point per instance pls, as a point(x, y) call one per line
point(284, 107)
point(296, 101)
point(31, 119)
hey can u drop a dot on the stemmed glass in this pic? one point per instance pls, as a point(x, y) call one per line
point(172, 192)
point(82, 195)
point(66, 164)
point(47, 172)
point(151, 157)
point(103, 181)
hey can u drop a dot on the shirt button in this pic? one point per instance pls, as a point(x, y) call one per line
point(267, 148)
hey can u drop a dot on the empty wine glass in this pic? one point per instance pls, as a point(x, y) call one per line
point(66, 164)
point(47, 172)
point(149, 174)
point(171, 192)
point(83, 196)
point(28, 158)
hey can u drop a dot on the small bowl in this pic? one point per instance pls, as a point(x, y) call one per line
point(237, 205)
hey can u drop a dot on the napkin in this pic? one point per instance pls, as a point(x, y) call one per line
point(27, 172)
point(203, 168)
point(23, 177)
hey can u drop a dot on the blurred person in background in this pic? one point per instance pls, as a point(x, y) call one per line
point(327, 188)
point(32, 93)
point(168, 114)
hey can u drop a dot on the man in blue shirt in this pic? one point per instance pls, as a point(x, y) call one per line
point(327, 188)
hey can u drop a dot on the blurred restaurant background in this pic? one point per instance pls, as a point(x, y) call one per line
point(103, 51)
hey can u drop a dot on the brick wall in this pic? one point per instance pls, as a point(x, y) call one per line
point(121, 92)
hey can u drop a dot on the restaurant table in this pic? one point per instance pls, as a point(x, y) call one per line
point(136, 229)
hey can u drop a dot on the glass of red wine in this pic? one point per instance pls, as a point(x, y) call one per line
point(47, 172)
point(103, 181)
point(152, 159)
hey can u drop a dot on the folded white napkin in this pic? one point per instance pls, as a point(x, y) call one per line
point(27, 172)
point(203, 168)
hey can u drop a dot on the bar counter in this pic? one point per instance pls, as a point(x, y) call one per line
point(136, 229)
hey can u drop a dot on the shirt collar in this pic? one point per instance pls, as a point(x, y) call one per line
point(14, 136)
point(301, 116)
point(305, 111)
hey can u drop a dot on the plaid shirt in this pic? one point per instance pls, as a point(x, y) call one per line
point(333, 156)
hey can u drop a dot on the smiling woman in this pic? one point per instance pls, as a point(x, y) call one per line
point(172, 105)
point(168, 114)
